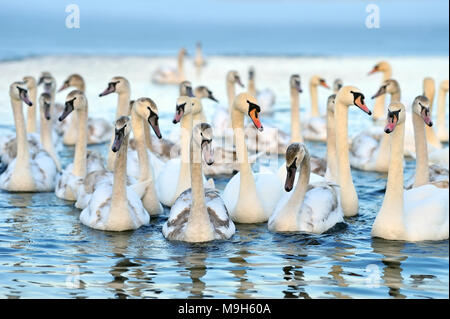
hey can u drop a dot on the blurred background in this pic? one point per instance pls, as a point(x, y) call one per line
point(245, 27)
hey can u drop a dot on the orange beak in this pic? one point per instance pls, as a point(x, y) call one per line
point(325, 85)
point(374, 70)
point(359, 103)
point(256, 121)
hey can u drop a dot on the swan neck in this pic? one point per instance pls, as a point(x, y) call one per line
point(251, 86)
point(119, 191)
point(314, 100)
point(422, 173)
point(181, 64)
point(79, 167)
point(331, 172)
point(23, 155)
point(123, 104)
point(231, 92)
point(440, 120)
point(31, 113)
point(139, 136)
point(296, 200)
point(198, 196)
point(349, 199)
point(296, 136)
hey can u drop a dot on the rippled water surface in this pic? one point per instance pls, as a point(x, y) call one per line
point(46, 252)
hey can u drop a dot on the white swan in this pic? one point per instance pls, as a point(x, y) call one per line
point(99, 130)
point(441, 126)
point(312, 208)
point(26, 173)
point(144, 113)
point(168, 75)
point(413, 215)
point(318, 166)
point(314, 127)
point(266, 98)
point(379, 107)
point(199, 214)
point(45, 102)
point(175, 175)
point(347, 96)
point(199, 60)
point(425, 173)
point(250, 198)
point(72, 177)
point(222, 117)
point(429, 90)
point(116, 207)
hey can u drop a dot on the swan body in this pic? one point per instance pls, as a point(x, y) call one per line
point(249, 197)
point(26, 173)
point(168, 75)
point(116, 207)
point(199, 214)
point(312, 208)
point(418, 214)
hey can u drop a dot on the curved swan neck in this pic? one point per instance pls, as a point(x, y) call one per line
point(23, 155)
point(119, 192)
point(79, 167)
point(251, 86)
point(331, 172)
point(296, 135)
point(123, 104)
point(379, 109)
point(231, 92)
point(31, 113)
point(296, 200)
point(198, 208)
point(184, 178)
point(181, 64)
point(139, 136)
point(393, 198)
point(396, 96)
point(314, 100)
point(422, 173)
point(349, 199)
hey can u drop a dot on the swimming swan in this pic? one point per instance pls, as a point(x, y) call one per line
point(116, 207)
point(199, 214)
point(312, 208)
point(412, 215)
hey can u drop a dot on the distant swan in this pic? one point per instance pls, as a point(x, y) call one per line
point(167, 75)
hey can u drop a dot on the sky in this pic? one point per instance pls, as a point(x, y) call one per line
point(323, 27)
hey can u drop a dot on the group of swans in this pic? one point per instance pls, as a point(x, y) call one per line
point(139, 178)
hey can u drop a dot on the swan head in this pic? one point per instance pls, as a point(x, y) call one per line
point(330, 103)
point(203, 92)
point(295, 83)
point(49, 83)
point(18, 91)
point(421, 107)
point(186, 105)
point(396, 115)
point(382, 66)
point(202, 134)
point(233, 77)
point(74, 80)
point(186, 89)
point(30, 82)
point(44, 74)
point(444, 85)
point(350, 95)
point(183, 52)
point(147, 109)
point(317, 80)
point(75, 100)
point(122, 128)
point(247, 104)
point(45, 102)
point(337, 84)
point(390, 86)
point(117, 84)
point(251, 73)
point(295, 154)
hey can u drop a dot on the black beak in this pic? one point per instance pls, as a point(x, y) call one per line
point(47, 111)
point(290, 176)
point(381, 91)
point(118, 139)
point(110, 89)
point(211, 97)
point(153, 121)
point(67, 109)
